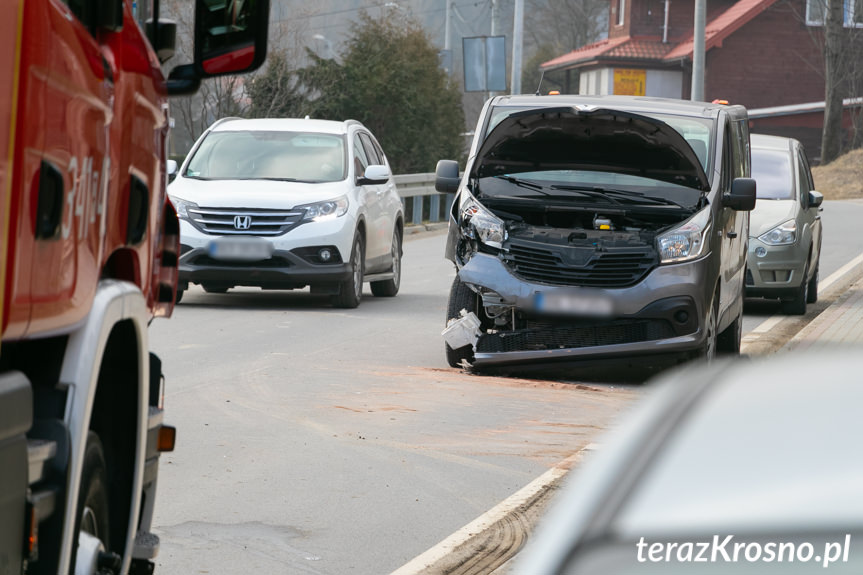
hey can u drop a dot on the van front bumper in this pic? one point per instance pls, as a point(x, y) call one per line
point(664, 313)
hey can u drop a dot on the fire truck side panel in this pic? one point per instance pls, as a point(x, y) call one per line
point(74, 118)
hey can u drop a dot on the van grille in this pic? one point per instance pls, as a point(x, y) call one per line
point(610, 269)
point(575, 336)
point(245, 222)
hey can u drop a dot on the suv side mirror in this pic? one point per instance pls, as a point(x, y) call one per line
point(742, 196)
point(815, 199)
point(446, 179)
point(172, 168)
point(374, 174)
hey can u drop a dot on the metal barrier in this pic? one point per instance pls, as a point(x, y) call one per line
point(419, 196)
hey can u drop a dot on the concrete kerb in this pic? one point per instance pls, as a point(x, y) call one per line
point(413, 229)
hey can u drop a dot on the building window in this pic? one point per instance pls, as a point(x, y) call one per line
point(816, 11)
point(621, 9)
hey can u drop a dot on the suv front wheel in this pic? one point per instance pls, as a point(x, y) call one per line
point(351, 290)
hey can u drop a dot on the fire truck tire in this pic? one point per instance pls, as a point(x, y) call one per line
point(92, 510)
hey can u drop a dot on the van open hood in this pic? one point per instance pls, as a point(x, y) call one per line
point(589, 138)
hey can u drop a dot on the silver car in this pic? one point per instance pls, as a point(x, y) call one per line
point(739, 467)
point(785, 227)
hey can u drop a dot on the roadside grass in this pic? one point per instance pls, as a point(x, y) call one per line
point(841, 179)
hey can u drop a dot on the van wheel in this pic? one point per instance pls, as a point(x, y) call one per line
point(797, 305)
point(179, 297)
point(351, 291)
point(728, 342)
point(91, 521)
point(708, 349)
point(214, 289)
point(460, 297)
point(389, 288)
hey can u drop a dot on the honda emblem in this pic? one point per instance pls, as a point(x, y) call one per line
point(242, 222)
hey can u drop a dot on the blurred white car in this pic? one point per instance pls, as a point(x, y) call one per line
point(785, 226)
point(739, 467)
point(289, 203)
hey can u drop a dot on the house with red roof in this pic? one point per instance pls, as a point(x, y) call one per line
point(764, 54)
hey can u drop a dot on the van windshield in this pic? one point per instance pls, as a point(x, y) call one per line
point(277, 155)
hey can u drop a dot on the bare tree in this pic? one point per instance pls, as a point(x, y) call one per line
point(831, 136)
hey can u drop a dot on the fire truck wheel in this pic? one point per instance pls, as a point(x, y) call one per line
point(91, 522)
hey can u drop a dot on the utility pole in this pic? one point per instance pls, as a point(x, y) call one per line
point(517, 33)
point(446, 26)
point(493, 16)
point(698, 52)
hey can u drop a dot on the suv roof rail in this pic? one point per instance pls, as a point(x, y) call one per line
point(223, 120)
point(352, 122)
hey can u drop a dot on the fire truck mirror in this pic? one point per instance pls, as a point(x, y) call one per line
point(230, 36)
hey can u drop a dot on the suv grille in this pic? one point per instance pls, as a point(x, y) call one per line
point(249, 222)
point(619, 268)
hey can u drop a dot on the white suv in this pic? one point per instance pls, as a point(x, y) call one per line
point(289, 203)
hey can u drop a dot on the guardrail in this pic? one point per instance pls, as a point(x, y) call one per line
point(420, 200)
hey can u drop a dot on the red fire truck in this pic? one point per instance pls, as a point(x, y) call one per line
point(88, 257)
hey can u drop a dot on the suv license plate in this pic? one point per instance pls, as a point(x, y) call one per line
point(240, 249)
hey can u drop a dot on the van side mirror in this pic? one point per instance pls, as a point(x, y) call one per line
point(230, 38)
point(815, 199)
point(446, 179)
point(742, 196)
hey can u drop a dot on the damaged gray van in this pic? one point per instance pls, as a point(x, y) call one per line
point(596, 227)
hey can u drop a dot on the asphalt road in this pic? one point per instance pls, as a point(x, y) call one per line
point(325, 441)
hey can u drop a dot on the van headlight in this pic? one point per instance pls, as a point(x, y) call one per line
point(480, 224)
point(782, 235)
point(687, 241)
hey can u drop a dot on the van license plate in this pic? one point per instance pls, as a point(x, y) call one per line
point(240, 249)
point(566, 302)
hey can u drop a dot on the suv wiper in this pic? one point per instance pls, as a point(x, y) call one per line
point(280, 180)
point(616, 195)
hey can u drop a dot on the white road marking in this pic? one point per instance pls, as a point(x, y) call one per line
point(773, 321)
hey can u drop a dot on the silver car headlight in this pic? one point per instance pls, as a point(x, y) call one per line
point(687, 241)
point(183, 207)
point(328, 210)
point(479, 223)
point(782, 235)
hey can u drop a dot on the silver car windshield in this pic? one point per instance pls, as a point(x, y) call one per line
point(773, 174)
point(289, 156)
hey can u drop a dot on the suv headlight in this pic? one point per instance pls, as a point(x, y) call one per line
point(480, 224)
point(781, 235)
point(685, 242)
point(328, 210)
point(183, 207)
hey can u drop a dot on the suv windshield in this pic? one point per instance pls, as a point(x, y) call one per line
point(290, 156)
point(772, 172)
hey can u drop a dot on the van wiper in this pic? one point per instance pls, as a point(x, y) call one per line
point(522, 183)
point(616, 195)
point(281, 180)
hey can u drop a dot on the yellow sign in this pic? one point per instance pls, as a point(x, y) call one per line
point(629, 82)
